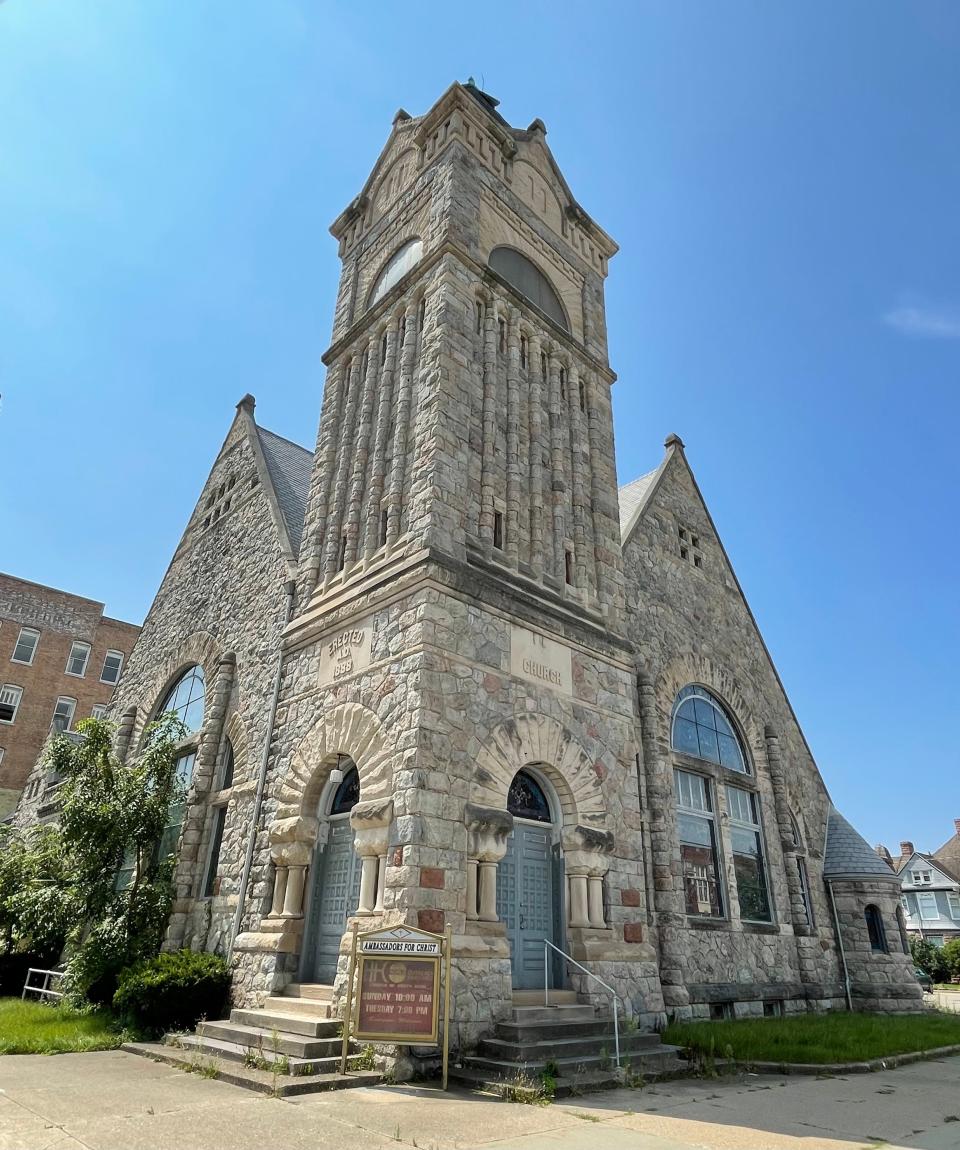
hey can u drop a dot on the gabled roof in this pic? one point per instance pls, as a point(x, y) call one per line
point(934, 863)
point(847, 854)
point(633, 496)
point(289, 466)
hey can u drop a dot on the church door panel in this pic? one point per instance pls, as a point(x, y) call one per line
point(335, 894)
point(526, 900)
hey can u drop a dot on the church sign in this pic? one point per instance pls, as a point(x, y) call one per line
point(393, 989)
point(345, 653)
point(541, 661)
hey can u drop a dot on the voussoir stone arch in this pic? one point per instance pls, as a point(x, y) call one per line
point(347, 729)
point(698, 669)
point(200, 648)
point(539, 740)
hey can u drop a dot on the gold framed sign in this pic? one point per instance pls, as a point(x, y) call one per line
point(393, 989)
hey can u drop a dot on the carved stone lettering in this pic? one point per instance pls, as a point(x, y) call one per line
point(539, 660)
point(345, 654)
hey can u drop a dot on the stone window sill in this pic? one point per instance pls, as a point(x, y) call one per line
point(697, 923)
point(760, 928)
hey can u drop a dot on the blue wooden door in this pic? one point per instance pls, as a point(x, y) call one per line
point(335, 892)
point(526, 900)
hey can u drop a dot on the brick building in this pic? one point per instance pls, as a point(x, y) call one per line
point(442, 672)
point(60, 660)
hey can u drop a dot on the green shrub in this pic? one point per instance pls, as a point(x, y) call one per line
point(172, 991)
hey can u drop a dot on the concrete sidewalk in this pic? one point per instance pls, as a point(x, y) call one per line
point(117, 1101)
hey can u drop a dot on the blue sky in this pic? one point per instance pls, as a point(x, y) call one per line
point(783, 181)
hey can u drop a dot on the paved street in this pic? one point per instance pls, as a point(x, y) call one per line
point(116, 1101)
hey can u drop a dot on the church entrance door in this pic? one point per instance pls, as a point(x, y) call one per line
point(529, 882)
point(334, 889)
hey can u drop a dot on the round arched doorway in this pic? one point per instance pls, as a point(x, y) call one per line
point(530, 879)
point(334, 881)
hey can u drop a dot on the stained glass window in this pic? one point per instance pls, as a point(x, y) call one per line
point(526, 799)
point(348, 792)
point(701, 728)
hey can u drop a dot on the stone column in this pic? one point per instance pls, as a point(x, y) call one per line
point(293, 896)
point(578, 900)
point(279, 890)
point(595, 901)
point(401, 434)
point(536, 459)
point(291, 848)
point(358, 480)
point(558, 483)
point(327, 440)
point(472, 866)
point(489, 421)
point(128, 720)
point(487, 832)
point(343, 455)
point(512, 525)
point(594, 459)
point(375, 500)
point(371, 830)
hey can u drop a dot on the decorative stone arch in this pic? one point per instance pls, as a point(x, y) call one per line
point(698, 669)
point(539, 740)
point(200, 648)
point(236, 731)
point(348, 729)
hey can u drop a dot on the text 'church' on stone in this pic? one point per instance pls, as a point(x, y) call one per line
point(441, 672)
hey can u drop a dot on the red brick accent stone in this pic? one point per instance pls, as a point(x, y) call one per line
point(492, 685)
point(630, 897)
point(431, 876)
point(431, 920)
point(633, 932)
point(397, 859)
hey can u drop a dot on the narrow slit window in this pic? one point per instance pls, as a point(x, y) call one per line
point(212, 884)
point(543, 364)
point(498, 530)
point(422, 314)
point(342, 558)
point(402, 330)
point(568, 567)
point(503, 334)
point(563, 383)
point(479, 317)
point(384, 518)
point(583, 396)
point(523, 352)
point(383, 348)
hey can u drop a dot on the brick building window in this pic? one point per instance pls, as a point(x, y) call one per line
point(78, 659)
point(26, 646)
point(98, 710)
point(112, 666)
point(749, 865)
point(10, 697)
point(63, 713)
point(698, 845)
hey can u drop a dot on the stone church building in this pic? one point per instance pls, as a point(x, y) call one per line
point(441, 671)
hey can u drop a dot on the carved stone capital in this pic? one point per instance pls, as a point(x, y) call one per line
point(374, 813)
point(587, 850)
point(488, 829)
point(301, 828)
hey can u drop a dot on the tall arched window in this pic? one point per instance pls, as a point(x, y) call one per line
point(402, 260)
point(875, 930)
point(186, 699)
point(530, 282)
point(348, 792)
point(526, 799)
point(701, 728)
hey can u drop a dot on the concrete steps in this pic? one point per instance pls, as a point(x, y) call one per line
point(575, 1042)
point(270, 1041)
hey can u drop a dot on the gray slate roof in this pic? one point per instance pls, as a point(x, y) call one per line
point(632, 495)
point(289, 465)
point(848, 854)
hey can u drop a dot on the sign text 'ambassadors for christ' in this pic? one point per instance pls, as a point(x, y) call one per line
point(399, 982)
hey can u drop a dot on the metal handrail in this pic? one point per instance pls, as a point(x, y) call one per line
point(589, 973)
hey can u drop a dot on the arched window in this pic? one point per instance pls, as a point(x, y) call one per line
point(348, 792)
point(702, 728)
point(530, 282)
point(227, 774)
point(875, 931)
point(186, 698)
point(402, 260)
point(526, 799)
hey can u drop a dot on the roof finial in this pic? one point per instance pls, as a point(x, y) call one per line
point(471, 82)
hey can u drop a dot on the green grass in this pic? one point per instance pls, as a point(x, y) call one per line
point(821, 1038)
point(40, 1028)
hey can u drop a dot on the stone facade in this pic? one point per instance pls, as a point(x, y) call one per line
point(51, 622)
point(458, 602)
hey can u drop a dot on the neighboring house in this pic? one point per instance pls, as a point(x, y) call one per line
point(930, 893)
point(60, 660)
point(441, 672)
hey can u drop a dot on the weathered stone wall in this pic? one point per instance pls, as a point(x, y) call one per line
point(690, 624)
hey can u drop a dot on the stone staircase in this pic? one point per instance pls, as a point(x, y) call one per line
point(571, 1037)
point(290, 1045)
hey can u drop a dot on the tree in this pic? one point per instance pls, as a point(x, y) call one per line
point(950, 954)
point(112, 817)
point(930, 958)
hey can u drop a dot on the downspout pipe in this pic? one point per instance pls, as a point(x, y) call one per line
point(289, 588)
point(843, 956)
